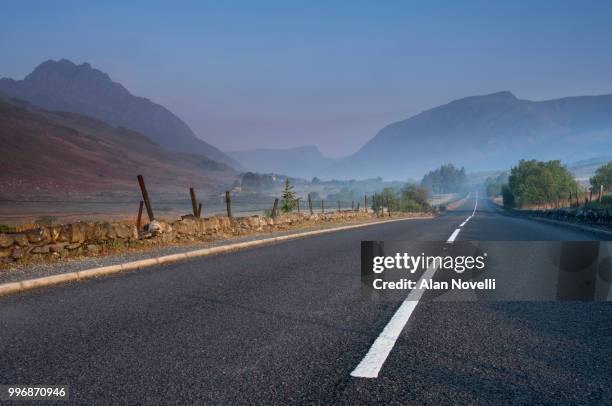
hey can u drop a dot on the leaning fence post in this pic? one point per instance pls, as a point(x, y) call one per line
point(145, 197)
point(139, 218)
point(228, 203)
point(310, 204)
point(200, 210)
point(275, 207)
point(194, 205)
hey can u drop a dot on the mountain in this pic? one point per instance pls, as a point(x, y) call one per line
point(306, 161)
point(65, 86)
point(483, 133)
point(46, 153)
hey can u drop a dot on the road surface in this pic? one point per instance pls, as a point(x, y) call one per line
point(286, 324)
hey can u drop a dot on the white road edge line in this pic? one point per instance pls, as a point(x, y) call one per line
point(371, 364)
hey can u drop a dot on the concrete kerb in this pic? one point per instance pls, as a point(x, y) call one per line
point(22, 286)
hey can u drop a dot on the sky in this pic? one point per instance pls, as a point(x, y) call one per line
point(263, 74)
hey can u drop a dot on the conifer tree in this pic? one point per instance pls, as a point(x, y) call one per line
point(289, 198)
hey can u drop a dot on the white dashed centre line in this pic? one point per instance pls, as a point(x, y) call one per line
point(370, 365)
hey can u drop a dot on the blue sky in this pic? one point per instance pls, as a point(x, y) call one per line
point(247, 74)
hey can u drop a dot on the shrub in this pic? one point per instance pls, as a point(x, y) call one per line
point(46, 220)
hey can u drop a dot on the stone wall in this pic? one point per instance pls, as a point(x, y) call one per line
point(85, 238)
point(601, 217)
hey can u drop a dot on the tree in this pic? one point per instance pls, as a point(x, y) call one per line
point(493, 186)
point(289, 197)
point(537, 182)
point(602, 177)
point(445, 179)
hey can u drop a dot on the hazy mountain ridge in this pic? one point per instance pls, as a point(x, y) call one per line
point(65, 86)
point(305, 161)
point(48, 153)
point(485, 133)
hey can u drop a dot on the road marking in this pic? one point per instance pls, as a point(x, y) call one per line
point(453, 235)
point(370, 365)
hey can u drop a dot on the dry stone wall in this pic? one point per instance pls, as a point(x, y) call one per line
point(87, 238)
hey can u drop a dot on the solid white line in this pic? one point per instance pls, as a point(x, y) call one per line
point(370, 365)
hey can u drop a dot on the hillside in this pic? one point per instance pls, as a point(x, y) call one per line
point(65, 154)
point(65, 86)
point(485, 133)
point(304, 161)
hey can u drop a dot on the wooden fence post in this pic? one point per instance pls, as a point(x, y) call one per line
point(228, 203)
point(352, 205)
point(576, 195)
point(275, 208)
point(365, 202)
point(322, 206)
point(200, 210)
point(585, 196)
point(145, 197)
point(310, 203)
point(194, 204)
point(298, 204)
point(358, 203)
point(139, 219)
point(590, 195)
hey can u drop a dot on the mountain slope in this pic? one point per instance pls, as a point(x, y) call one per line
point(304, 161)
point(485, 133)
point(62, 85)
point(62, 154)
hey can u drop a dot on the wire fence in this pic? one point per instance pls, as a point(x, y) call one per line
point(24, 213)
point(30, 212)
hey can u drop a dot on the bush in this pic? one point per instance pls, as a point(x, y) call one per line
point(414, 198)
point(507, 196)
point(46, 220)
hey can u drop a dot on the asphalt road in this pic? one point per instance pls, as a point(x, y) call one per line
point(287, 324)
